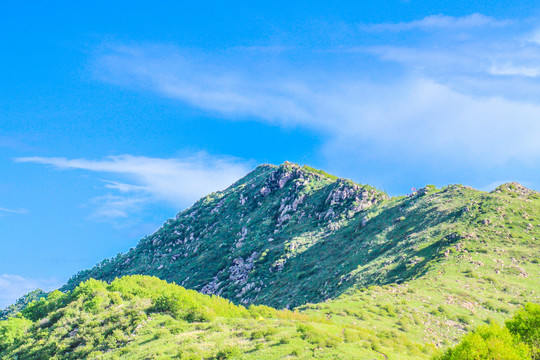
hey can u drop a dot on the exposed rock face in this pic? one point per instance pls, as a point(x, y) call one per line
point(212, 287)
point(240, 270)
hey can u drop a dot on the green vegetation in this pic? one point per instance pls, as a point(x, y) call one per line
point(22, 303)
point(488, 342)
point(320, 172)
point(368, 276)
point(142, 317)
point(525, 326)
point(519, 340)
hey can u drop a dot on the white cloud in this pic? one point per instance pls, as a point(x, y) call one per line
point(533, 37)
point(13, 211)
point(200, 83)
point(515, 70)
point(410, 116)
point(13, 287)
point(114, 206)
point(178, 181)
point(441, 22)
point(122, 187)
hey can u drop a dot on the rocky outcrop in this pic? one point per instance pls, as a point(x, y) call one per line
point(516, 188)
point(238, 273)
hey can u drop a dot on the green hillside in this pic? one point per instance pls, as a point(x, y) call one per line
point(375, 276)
point(142, 317)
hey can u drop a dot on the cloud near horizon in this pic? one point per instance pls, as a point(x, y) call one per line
point(177, 181)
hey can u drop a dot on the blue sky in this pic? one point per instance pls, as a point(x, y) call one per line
point(113, 117)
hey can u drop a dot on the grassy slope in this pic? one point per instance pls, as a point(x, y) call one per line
point(490, 268)
point(127, 320)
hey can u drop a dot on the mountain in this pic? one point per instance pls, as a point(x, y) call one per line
point(406, 274)
point(289, 235)
point(275, 237)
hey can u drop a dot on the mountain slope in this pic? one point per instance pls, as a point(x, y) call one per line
point(242, 243)
point(487, 269)
point(141, 317)
point(289, 235)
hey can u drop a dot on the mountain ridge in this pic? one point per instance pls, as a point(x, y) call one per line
point(288, 235)
point(312, 196)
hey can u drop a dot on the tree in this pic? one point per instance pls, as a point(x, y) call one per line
point(489, 342)
point(12, 331)
point(525, 326)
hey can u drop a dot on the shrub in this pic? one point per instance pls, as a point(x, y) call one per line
point(489, 342)
point(389, 308)
point(39, 309)
point(464, 319)
point(181, 308)
point(256, 335)
point(317, 337)
point(525, 325)
point(284, 341)
point(12, 331)
point(228, 353)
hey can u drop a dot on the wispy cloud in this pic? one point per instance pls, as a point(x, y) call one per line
point(414, 115)
point(13, 287)
point(13, 211)
point(461, 91)
point(178, 181)
point(118, 207)
point(435, 22)
point(511, 70)
point(225, 89)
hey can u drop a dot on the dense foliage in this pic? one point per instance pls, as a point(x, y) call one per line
point(525, 326)
point(21, 303)
point(518, 340)
point(141, 317)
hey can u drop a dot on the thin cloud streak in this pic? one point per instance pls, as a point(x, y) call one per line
point(511, 70)
point(434, 22)
point(115, 207)
point(13, 211)
point(200, 83)
point(178, 182)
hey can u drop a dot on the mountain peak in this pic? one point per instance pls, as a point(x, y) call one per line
point(238, 242)
point(516, 189)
